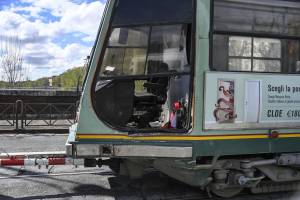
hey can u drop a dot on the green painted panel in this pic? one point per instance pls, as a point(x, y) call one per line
point(202, 60)
point(286, 145)
point(88, 120)
point(246, 146)
point(203, 19)
point(232, 147)
point(219, 147)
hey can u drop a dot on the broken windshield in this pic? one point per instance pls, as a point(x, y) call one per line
point(146, 50)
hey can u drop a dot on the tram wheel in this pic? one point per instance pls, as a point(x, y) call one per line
point(226, 192)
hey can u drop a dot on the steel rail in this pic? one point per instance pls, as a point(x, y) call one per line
point(57, 174)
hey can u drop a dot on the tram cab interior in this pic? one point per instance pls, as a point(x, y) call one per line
point(144, 76)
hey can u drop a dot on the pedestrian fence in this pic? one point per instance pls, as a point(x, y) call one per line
point(27, 115)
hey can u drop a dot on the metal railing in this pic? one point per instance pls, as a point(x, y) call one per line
point(25, 116)
point(49, 114)
point(7, 115)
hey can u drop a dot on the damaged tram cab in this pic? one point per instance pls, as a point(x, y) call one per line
point(205, 91)
point(143, 81)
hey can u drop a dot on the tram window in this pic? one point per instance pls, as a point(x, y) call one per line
point(168, 46)
point(240, 46)
point(135, 12)
point(135, 37)
point(235, 64)
point(257, 16)
point(292, 56)
point(266, 66)
point(248, 54)
point(255, 36)
point(126, 61)
point(254, 54)
point(128, 51)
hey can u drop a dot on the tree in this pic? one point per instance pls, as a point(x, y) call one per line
point(11, 60)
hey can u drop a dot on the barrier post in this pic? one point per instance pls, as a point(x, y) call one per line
point(17, 113)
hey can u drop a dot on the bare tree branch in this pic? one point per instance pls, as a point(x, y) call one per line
point(11, 61)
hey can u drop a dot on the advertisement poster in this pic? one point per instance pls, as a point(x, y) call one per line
point(225, 111)
point(281, 101)
point(251, 101)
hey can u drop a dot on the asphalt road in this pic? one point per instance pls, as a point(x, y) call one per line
point(69, 182)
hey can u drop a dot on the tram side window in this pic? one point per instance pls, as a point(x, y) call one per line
point(254, 54)
point(256, 36)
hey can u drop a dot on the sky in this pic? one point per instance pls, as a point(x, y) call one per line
point(56, 35)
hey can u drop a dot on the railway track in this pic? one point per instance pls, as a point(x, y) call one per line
point(151, 187)
point(96, 172)
point(244, 196)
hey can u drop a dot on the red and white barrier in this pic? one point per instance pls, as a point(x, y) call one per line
point(47, 154)
point(15, 161)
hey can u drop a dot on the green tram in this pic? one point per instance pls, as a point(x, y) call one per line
point(205, 91)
